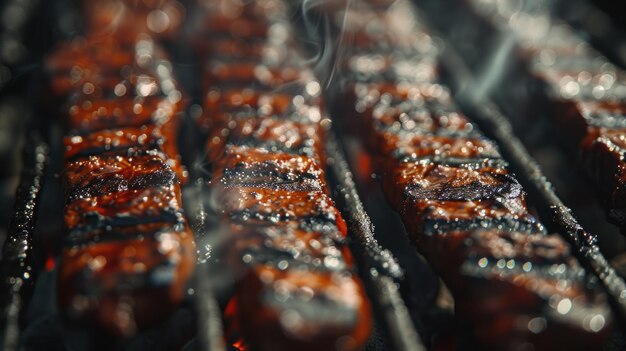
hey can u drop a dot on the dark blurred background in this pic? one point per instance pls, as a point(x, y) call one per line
point(615, 9)
point(28, 29)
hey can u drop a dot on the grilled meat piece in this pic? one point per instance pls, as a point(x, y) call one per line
point(125, 208)
point(126, 282)
point(597, 129)
point(244, 166)
point(519, 286)
point(128, 253)
point(101, 175)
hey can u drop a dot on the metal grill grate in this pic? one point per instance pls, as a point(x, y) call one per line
point(380, 270)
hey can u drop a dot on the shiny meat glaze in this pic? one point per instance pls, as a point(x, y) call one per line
point(298, 274)
point(259, 205)
point(273, 134)
point(96, 114)
point(112, 141)
point(283, 236)
point(76, 62)
point(128, 141)
point(125, 208)
point(225, 104)
point(128, 253)
point(133, 90)
point(513, 284)
point(272, 244)
point(602, 128)
point(100, 175)
point(535, 289)
point(243, 166)
point(132, 281)
point(288, 246)
point(598, 130)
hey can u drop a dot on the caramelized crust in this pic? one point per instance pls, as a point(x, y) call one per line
point(95, 175)
point(225, 104)
point(123, 285)
point(252, 167)
point(89, 115)
point(598, 130)
point(225, 99)
point(535, 272)
point(272, 134)
point(125, 208)
point(423, 117)
point(128, 141)
point(127, 253)
point(284, 245)
point(110, 141)
point(436, 198)
point(262, 205)
point(413, 146)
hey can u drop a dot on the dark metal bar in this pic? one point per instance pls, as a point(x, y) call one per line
point(383, 268)
point(18, 264)
point(210, 334)
point(361, 225)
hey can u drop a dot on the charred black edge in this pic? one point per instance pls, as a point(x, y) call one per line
point(102, 185)
point(492, 120)
point(18, 265)
point(383, 269)
point(136, 148)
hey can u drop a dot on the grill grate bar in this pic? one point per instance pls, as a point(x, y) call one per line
point(18, 264)
point(210, 333)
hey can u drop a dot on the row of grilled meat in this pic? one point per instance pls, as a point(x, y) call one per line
point(128, 251)
point(514, 285)
point(281, 233)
